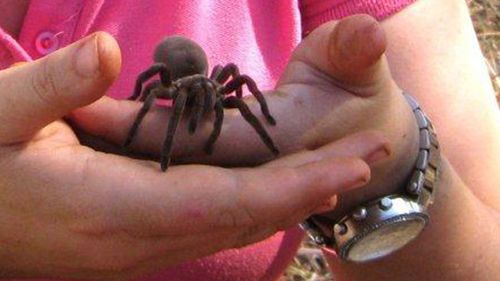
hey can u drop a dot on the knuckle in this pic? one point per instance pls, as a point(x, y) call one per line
point(226, 218)
point(236, 211)
point(235, 216)
point(44, 85)
point(82, 171)
point(87, 166)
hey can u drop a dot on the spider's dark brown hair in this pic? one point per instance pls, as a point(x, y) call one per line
point(182, 68)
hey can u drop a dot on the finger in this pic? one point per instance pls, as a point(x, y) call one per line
point(370, 146)
point(34, 94)
point(313, 51)
point(252, 197)
point(111, 120)
point(349, 51)
point(121, 194)
point(284, 200)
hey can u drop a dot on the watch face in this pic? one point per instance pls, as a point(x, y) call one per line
point(385, 239)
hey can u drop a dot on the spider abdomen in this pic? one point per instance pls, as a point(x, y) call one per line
point(182, 56)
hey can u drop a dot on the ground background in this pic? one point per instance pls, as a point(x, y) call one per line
point(309, 264)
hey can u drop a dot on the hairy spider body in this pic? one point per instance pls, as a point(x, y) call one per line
point(182, 68)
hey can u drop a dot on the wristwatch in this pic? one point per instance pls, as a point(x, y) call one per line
point(380, 227)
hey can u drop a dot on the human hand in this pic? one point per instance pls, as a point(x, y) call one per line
point(337, 82)
point(343, 67)
point(70, 211)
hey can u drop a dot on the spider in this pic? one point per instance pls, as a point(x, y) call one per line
point(182, 68)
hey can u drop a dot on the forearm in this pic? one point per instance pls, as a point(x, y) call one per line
point(460, 243)
point(433, 53)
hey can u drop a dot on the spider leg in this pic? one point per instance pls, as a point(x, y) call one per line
point(156, 68)
point(229, 70)
point(210, 97)
point(216, 72)
point(175, 118)
point(252, 87)
point(148, 88)
point(135, 126)
point(219, 117)
point(234, 102)
point(197, 111)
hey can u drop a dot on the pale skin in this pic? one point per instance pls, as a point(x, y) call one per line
point(70, 211)
point(449, 249)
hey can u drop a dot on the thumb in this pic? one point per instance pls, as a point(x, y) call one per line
point(351, 52)
point(35, 94)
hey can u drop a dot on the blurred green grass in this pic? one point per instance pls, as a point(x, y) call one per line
point(309, 264)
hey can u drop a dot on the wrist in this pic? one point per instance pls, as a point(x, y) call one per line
point(380, 227)
point(458, 224)
point(400, 127)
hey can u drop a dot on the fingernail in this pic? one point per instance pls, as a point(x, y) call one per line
point(375, 33)
point(359, 182)
point(381, 153)
point(87, 58)
point(327, 206)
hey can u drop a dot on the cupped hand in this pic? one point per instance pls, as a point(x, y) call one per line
point(337, 82)
point(67, 210)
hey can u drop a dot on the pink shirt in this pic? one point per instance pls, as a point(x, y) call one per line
point(258, 35)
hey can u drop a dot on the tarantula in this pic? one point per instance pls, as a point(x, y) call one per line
point(182, 68)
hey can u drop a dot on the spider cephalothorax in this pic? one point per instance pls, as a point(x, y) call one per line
point(182, 68)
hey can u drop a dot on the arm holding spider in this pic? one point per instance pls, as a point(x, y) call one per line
point(343, 100)
point(433, 53)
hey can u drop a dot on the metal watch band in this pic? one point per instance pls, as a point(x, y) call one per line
point(410, 203)
point(424, 178)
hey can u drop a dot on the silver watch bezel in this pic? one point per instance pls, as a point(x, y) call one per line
point(389, 210)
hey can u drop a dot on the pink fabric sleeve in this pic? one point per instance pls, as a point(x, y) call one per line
point(316, 12)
